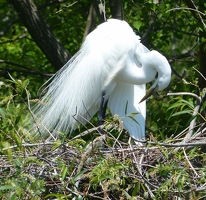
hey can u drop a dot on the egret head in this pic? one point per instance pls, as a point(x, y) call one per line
point(163, 76)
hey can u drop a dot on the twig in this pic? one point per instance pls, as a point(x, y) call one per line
point(178, 144)
point(199, 73)
point(190, 163)
point(198, 12)
point(65, 7)
point(184, 8)
point(183, 93)
point(92, 146)
point(200, 131)
point(13, 40)
point(88, 131)
point(29, 145)
point(130, 149)
point(181, 133)
point(140, 170)
point(7, 70)
point(195, 112)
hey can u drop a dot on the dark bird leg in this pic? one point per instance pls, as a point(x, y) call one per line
point(102, 109)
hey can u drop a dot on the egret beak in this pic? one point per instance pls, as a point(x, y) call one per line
point(151, 91)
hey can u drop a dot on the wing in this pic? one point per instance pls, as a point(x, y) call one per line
point(125, 98)
point(124, 101)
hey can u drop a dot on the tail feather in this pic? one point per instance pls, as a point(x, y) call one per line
point(70, 99)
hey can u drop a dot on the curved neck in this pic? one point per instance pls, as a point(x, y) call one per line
point(135, 75)
point(145, 70)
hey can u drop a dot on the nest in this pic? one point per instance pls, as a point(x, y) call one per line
point(71, 167)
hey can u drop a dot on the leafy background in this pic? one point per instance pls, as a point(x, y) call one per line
point(174, 28)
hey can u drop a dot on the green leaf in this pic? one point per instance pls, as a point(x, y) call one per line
point(137, 24)
point(182, 112)
point(64, 171)
point(175, 105)
point(3, 112)
point(75, 178)
point(7, 187)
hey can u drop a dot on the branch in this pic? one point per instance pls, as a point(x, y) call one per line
point(100, 10)
point(90, 21)
point(7, 27)
point(180, 56)
point(21, 68)
point(189, 53)
point(12, 63)
point(116, 8)
point(191, 9)
point(4, 71)
point(184, 93)
point(176, 29)
point(14, 20)
point(13, 40)
point(150, 29)
point(97, 9)
point(194, 11)
point(195, 112)
point(42, 35)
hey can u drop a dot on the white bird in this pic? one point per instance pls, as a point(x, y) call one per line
point(112, 66)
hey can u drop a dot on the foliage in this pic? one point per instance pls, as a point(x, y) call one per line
point(77, 169)
point(96, 166)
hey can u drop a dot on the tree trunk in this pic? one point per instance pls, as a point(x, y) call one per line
point(97, 9)
point(40, 32)
point(116, 8)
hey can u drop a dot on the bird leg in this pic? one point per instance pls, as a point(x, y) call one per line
point(102, 109)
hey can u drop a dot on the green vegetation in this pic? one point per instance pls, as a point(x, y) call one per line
point(94, 166)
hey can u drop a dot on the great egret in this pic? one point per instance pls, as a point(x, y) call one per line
point(112, 66)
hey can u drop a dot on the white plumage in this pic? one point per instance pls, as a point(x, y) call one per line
point(111, 60)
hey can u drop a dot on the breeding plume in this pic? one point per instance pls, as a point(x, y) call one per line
point(110, 69)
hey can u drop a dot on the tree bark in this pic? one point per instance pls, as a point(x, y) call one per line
point(40, 32)
point(100, 10)
point(97, 10)
point(116, 8)
point(90, 21)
